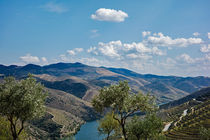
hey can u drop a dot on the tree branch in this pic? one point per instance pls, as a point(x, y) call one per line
point(131, 113)
point(22, 126)
point(116, 119)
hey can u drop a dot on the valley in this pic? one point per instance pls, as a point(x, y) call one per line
point(71, 86)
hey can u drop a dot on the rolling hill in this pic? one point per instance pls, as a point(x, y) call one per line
point(71, 87)
point(84, 81)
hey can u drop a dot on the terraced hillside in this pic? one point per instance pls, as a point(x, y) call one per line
point(185, 117)
point(189, 126)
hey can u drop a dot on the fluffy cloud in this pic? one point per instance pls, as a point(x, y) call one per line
point(44, 60)
point(112, 15)
point(74, 51)
point(196, 33)
point(158, 39)
point(110, 49)
point(119, 50)
point(207, 57)
point(140, 56)
point(208, 34)
point(205, 48)
point(92, 50)
point(185, 57)
point(71, 52)
point(54, 7)
point(146, 33)
point(30, 59)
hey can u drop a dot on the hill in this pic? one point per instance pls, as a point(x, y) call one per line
point(200, 95)
point(187, 116)
point(72, 85)
point(84, 81)
point(64, 115)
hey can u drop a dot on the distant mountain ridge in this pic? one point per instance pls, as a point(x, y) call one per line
point(89, 79)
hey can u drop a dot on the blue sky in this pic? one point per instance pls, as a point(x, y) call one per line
point(165, 37)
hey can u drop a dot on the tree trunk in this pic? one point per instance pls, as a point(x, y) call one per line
point(15, 137)
point(124, 131)
point(107, 138)
point(13, 129)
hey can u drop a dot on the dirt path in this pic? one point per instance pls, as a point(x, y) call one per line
point(180, 118)
point(167, 126)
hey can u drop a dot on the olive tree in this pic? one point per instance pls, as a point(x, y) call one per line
point(142, 128)
point(120, 100)
point(21, 101)
point(107, 125)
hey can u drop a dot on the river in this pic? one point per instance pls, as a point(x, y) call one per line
point(89, 131)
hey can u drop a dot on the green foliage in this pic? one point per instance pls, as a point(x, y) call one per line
point(120, 99)
point(107, 125)
point(123, 103)
point(5, 133)
point(149, 127)
point(21, 101)
point(205, 133)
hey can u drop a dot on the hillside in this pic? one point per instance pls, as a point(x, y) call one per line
point(188, 127)
point(84, 81)
point(185, 117)
point(200, 95)
point(64, 115)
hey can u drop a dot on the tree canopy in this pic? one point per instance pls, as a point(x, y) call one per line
point(21, 101)
point(107, 125)
point(144, 128)
point(124, 103)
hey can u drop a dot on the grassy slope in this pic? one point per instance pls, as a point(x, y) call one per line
point(64, 115)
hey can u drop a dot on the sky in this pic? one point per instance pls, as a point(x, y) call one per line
point(163, 37)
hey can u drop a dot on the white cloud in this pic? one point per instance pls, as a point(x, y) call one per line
point(208, 34)
point(186, 58)
point(44, 59)
point(140, 56)
point(205, 48)
point(207, 57)
point(159, 39)
point(30, 59)
point(112, 15)
point(196, 33)
point(71, 52)
point(64, 58)
point(170, 61)
point(54, 7)
point(74, 51)
point(92, 50)
point(139, 47)
point(110, 49)
point(146, 33)
point(119, 50)
point(78, 50)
